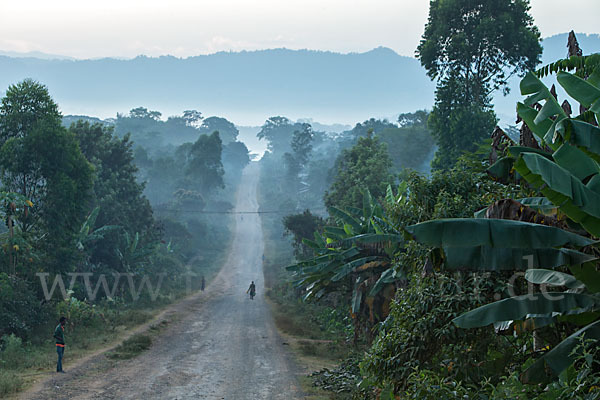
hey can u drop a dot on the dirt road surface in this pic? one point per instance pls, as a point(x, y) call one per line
point(219, 344)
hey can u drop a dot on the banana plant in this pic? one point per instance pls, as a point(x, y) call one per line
point(566, 172)
point(354, 256)
point(87, 233)
point(133, 256)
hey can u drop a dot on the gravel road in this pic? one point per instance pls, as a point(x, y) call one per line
point(218, 344)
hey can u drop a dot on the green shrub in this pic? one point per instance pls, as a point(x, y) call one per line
point(12, 354)
point(19, 308)
point(9, 383)
point(419, 333)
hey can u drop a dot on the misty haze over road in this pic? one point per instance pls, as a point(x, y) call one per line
point(220, 344)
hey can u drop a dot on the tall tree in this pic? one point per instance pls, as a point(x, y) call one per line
point(204, 170)
point(227, 130)
point(116, 190)
point(23, 107)
point(472, 47)
point(42, 161)
point(278, 131)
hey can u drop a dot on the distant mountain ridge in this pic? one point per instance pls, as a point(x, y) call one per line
point(248, 87)
point(245, 87)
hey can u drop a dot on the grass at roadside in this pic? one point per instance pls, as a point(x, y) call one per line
point(24, 363)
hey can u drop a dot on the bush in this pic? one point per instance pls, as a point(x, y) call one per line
point(13, 353)
point(419, 333)
point(19, 307)
point(9, 383)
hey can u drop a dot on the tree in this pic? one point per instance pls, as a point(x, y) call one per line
point(227, 130)
point(47, 167)
point(364, 166)
point(192, 117)
point(23, 107)
point(376, 125)
point(457, 123)
point(278, 131)
point(116, 191)
point(410, 145)
point(302, 226)
point(472, 48)
point(481, 43)
point(543, 235)
point(302, 144)
point(204, 170)
point(144, 113)
point(235, 156)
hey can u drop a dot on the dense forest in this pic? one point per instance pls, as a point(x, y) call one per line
point(433, 256)
point(479, 279)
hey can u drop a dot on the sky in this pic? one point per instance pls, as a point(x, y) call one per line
point(127, 28)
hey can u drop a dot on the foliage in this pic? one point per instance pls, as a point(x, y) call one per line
point(19, 307)
point(43, 162)
point(365, 166)
point(411, 144)
point(481, 41)
point(457, 124)
point(204, 170)
point(227, 130)
point(279, 131)
point(302, 226)
point(472, 48)
point(419, 332)
point(565, 174)
point(117, 193)
point(23, 107)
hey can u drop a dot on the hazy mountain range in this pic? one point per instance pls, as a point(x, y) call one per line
point(248, 87)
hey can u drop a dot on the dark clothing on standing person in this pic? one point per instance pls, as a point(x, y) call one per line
point(59, 337)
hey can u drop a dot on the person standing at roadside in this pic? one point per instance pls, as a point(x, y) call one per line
point(59, 337)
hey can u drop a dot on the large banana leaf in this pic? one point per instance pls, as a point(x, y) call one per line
point(575, 161)
point(369, 238)
point(471, 232)
point(540, 204)
point(528, 114)
point(344, 218)
point(484, 258)
point(588, 274)
point(388, 276)
point(560, 357)
point(518, 307)
point(581, 90)
point(580, 203)
point(552, 278)
point(357, 295)
point(581, 134)
point(351, 266)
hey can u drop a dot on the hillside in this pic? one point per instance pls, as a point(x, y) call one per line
point(245, 87)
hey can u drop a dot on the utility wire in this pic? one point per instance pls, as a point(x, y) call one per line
point(230, 212)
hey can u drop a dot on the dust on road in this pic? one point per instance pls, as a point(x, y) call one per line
point(219, 345)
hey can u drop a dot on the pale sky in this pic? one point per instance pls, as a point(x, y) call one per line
point(126, 28)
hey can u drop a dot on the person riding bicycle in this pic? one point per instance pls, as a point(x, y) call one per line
point(252, 290)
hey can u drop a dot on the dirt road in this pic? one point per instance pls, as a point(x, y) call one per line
point(218, 345)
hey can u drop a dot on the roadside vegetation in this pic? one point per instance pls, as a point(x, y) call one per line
point(480, 279)
point(87, 236)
